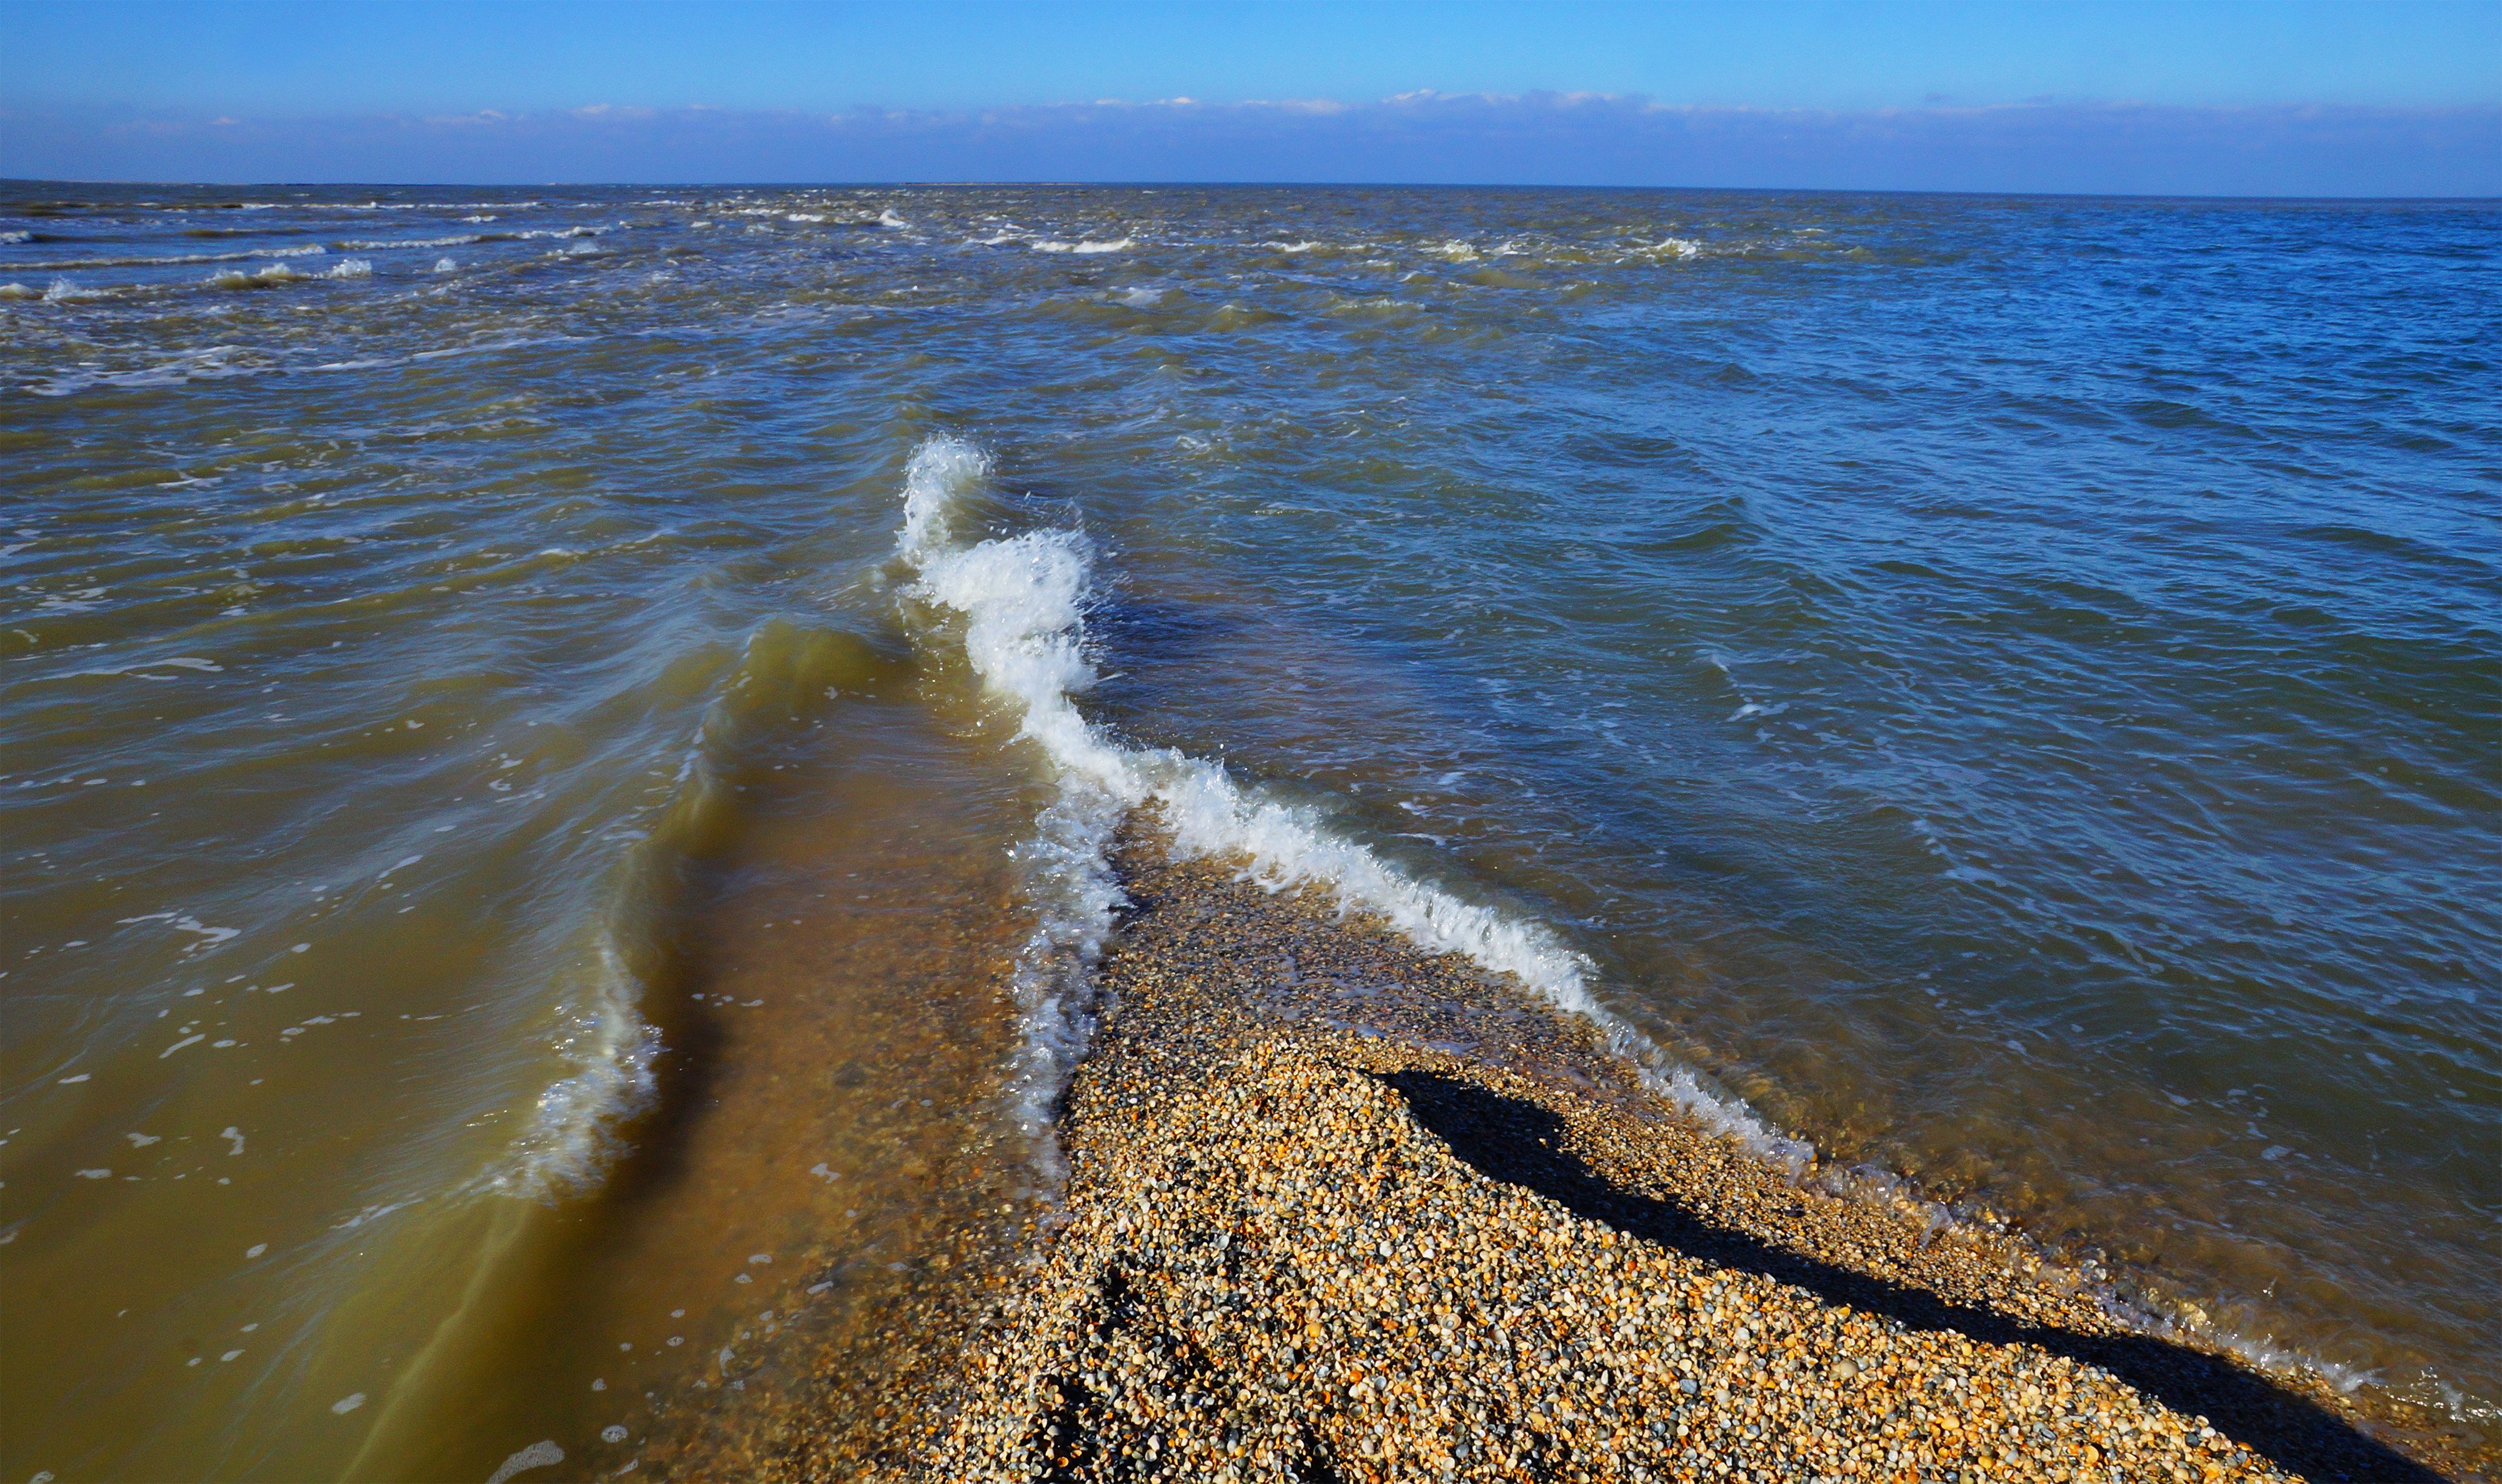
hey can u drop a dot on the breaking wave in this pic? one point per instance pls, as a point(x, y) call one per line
point(172, 260)
point(1022, 605)
point(1021, 602)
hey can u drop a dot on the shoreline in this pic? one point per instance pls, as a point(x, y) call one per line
point(1339, 1209)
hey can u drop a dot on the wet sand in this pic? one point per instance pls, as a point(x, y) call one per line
point(1338, 1210)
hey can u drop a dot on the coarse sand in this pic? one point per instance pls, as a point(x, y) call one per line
point(1341, 1210)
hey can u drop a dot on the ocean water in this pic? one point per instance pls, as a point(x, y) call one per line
point(559, 744)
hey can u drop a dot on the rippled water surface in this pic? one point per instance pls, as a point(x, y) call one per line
point(519, 895)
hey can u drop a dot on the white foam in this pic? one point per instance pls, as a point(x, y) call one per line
point(1121, 245)
point(351, 268)
point(17, 237)
point(543, 1454)
point(63, 292)
point(1022, 600)
point(888, 217)
point(941, 470)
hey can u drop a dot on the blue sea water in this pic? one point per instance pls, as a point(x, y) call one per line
point(2008, 690)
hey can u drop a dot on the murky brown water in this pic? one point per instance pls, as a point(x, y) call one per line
point(829, 1113)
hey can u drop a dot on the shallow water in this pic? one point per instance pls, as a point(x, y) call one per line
point(2007, 689)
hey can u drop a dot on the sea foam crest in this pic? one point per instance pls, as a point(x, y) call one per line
point(1087, 246)
point(1022, 600)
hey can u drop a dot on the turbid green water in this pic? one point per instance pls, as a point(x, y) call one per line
point(509, 836)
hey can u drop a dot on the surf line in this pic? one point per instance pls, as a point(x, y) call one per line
point(1020, 601)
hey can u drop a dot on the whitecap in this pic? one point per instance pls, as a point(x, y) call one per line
point(1121, 245)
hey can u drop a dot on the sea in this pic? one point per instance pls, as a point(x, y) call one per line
point(560, 745)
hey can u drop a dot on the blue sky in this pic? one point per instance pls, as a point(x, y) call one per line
point(2387, 98)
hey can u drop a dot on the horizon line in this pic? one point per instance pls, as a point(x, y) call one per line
point(13, 181)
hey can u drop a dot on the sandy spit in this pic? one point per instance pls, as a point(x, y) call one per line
point(1339, 1211)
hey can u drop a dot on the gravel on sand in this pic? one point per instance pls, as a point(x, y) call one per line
point(1341, 1210)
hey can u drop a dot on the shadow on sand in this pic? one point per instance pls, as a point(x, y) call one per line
point(1520, 1143)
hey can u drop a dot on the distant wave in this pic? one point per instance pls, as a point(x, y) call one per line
point(1089, 245)
point(175, 260)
